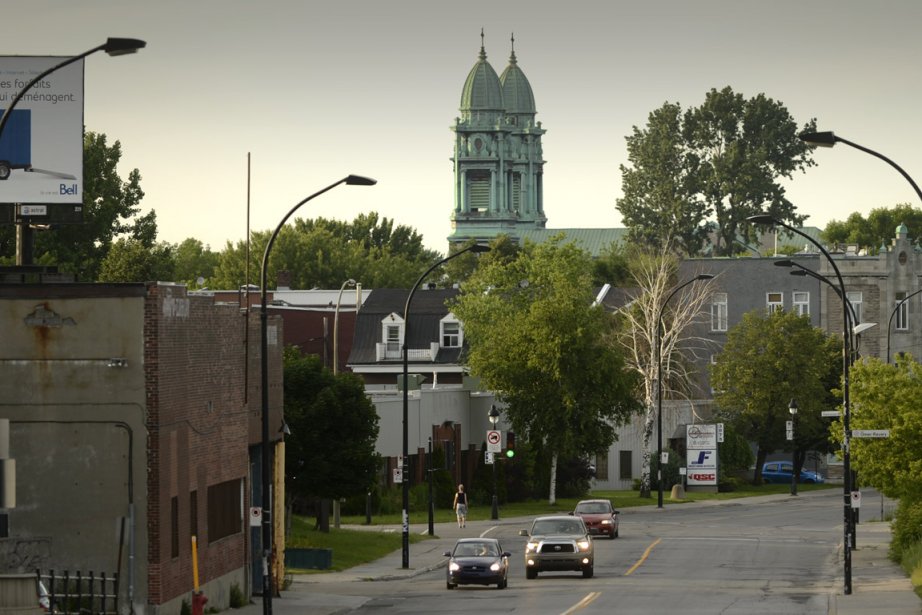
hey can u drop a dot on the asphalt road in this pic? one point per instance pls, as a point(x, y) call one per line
point(778, 557)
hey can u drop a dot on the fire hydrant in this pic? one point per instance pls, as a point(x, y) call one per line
point(198, 603)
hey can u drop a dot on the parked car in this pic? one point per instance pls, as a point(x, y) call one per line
point(478, 561)
point(782, 471)
point(599, 516)
point(558, 543)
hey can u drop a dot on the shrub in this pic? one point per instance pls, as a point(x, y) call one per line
point(236, 597)
point(907, 528)
point(185, 608)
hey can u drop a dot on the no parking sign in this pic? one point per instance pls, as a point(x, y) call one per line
point(494, 441)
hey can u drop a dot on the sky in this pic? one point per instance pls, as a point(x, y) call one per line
point(311, 91)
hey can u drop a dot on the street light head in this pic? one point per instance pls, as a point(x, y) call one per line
point(123, 46)
point(494, 415)
point(819, 139)
point(479, 247)
point(705, 276)
point(784, 263)
point(358, 180)
point(762, 219)
point(800, 272)
point(792, 407)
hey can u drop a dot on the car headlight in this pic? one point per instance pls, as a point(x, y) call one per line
point(494, 566)
point(606, 521)
point(531, 546)
point(454, 567)
point(583, 545)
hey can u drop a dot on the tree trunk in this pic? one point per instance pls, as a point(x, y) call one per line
point(646, 453)
point(757, 473)
point(552, 496)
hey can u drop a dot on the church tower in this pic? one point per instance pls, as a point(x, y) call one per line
point(498, 160)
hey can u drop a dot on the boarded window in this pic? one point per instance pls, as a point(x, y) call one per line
point(625, 465)
point(193, 513)
point(225, 509)
point(174, 526)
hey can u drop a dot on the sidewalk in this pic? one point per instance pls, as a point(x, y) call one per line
point(878, 585)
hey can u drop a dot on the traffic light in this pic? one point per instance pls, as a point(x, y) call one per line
point(510, 444)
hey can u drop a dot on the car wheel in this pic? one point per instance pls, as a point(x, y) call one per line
point(614, 535)
point(587, 572)
point(449, 585)
point(531, 573)
point(501, 584)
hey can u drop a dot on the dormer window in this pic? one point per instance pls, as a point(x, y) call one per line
point(450, 332)
point(392, 333)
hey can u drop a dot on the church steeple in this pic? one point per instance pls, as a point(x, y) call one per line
point(498, 158)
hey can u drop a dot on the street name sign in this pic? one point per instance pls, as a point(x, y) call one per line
point(871, 433)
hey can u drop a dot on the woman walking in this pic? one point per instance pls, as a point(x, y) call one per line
point(460, 505)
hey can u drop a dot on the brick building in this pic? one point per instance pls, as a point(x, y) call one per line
point(135, 422)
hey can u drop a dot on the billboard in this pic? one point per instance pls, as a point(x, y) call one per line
point(701, 454)
point(41, 148)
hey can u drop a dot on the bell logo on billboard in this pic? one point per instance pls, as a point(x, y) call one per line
point(71, 189)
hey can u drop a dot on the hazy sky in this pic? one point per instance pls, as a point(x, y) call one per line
point(317, 90)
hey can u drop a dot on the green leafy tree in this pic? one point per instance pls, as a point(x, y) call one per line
point(536, 338)
point(768, 360)
point(662, 200)
point(129, 260)
point(887, 397)
point(193, 260)
point(111, 210)
point(877, 229)
point(323, 253)
point(334, 426)
point(718, 163)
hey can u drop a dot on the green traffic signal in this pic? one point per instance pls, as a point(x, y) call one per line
point(510, 453)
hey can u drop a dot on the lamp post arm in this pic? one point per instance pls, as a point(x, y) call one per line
point(41, 76)
point(885, 159)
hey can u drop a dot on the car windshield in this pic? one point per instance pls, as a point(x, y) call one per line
point(593, 508)
point(473, 549)
point(557, 526)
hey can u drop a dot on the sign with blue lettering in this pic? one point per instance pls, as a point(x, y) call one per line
point(41, 146)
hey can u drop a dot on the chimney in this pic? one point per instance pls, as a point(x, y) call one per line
point(283, 280)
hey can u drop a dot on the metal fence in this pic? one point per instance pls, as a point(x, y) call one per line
point(79, 594)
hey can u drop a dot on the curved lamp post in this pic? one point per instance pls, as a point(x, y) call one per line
point(406, 398)
point(350, 282)
point(494, 419)
point(802, 271)
point(767, 219)
point(829, 139)
point(352, 180)
point(659, 383)
point(113, 47)
point(892, 314)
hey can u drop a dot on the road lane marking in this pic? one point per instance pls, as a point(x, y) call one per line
point(582, 604)
point(643, 557)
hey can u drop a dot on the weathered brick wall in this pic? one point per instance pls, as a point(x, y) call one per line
point(198, 432)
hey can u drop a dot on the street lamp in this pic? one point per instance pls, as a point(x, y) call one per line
point(846, 456)
point(494, 418)
point(352, 180)
point(476, 247)
point(829, 139)
point(792, 408)
point(350, 282)
point(113, 47)
point(659, 383)
point(892, 314)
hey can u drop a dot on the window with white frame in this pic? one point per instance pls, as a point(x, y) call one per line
point(902, 312)
point(392, 332)
point(855, 299)
point(774, 302)
point(450, 333)
point(801, 303)
point(719, 312)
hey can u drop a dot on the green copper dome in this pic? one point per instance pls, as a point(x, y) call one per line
point(482, 90)
point(517, 94)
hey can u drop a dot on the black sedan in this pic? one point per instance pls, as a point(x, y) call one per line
point(477, 561)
